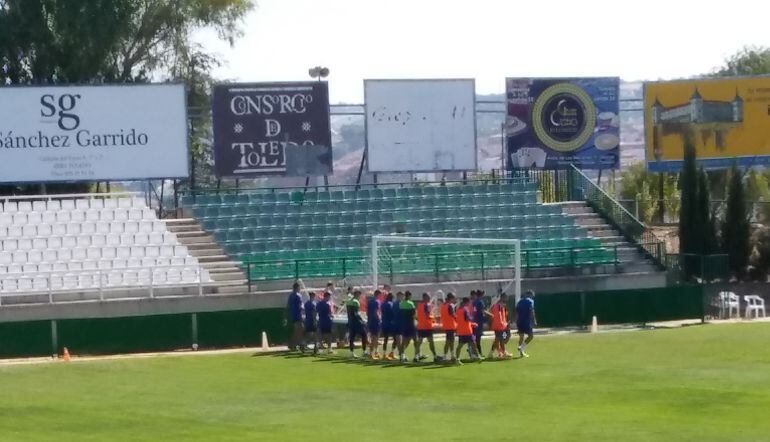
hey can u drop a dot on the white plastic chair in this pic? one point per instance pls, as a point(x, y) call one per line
point(68, 205)
point(63, 217)
point(755, 306)
point(39, 206)
point(10, 207)
point(53, 205)
point(727, 302)
point(25, 206)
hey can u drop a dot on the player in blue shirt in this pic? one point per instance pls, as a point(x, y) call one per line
point(388, 329)
point(374, 324)
point(479, 317)
point(525, 321)
point(325, 317)
point(311, 325)
point(294, 318)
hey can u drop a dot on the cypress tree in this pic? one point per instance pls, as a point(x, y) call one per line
point(704, 224)
point(735, 229)
point(689, 194)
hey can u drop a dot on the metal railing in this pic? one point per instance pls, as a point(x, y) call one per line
point(52, 283)
point(471, 180)
point(435, 263)
point(583, 188)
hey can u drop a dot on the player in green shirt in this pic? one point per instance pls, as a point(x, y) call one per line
point(356, 324)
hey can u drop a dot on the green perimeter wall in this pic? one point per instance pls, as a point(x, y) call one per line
point(245, 327)
point(620, 306)
point(142, 333)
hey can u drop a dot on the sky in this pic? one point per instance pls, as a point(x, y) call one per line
point(486, 39)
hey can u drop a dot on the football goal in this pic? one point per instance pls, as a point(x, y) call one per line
point(445, 255)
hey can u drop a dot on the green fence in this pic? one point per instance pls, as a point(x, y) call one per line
point(684, 266)
point(568, 258)
point(142, 333)
point(620, 306)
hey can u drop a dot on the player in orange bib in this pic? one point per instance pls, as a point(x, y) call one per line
point(501, 327)
point(449, 325)
point(424, 329)
point(465, 326)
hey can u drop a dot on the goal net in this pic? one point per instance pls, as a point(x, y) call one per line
point(448, 259)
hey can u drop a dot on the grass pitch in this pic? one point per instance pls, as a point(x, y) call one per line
point(702, 383)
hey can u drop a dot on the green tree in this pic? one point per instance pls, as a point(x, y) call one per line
point(641, 186)
point(95, 41)
point(750, 60)
point(736, 227)
point(704, 221)
point(688, 180)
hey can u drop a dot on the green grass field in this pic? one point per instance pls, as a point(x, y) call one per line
point(702, 383)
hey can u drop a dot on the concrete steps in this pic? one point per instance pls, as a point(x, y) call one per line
point(631, 259)
point(226, 273)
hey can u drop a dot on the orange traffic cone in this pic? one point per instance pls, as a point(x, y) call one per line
point(65, 355)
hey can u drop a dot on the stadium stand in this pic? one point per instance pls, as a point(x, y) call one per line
point(282, 234)
point(95, 246)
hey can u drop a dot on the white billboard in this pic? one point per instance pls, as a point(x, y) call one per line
point(420, 125)
point(92, 133)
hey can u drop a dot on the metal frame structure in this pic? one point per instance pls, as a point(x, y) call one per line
point(377, 239)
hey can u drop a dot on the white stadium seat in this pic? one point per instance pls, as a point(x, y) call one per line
point(44, 230)
point(80, 243)
point(63, 217)
point(29, 230)
point(54, 242)
point(34, 217)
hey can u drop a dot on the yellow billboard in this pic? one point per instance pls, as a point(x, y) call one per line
point(728, 120)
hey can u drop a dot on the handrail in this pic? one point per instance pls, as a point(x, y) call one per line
point(619, 217)
point(331, 187)
point(68, 196)
point(420, 255)
point(101, 287)
point(344, 261)
point(606, 195)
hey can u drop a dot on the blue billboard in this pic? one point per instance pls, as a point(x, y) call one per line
point(552, 123)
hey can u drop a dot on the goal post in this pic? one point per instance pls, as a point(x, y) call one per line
point(379, 240)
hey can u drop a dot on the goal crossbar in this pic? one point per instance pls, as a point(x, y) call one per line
point(377, 239)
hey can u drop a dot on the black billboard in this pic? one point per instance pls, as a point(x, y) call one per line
point(271, 129)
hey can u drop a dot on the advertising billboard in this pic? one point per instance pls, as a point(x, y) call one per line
point(420, 125)
point(92, 133)
point(727, 120)
point(552, 123)
point(271, 129)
